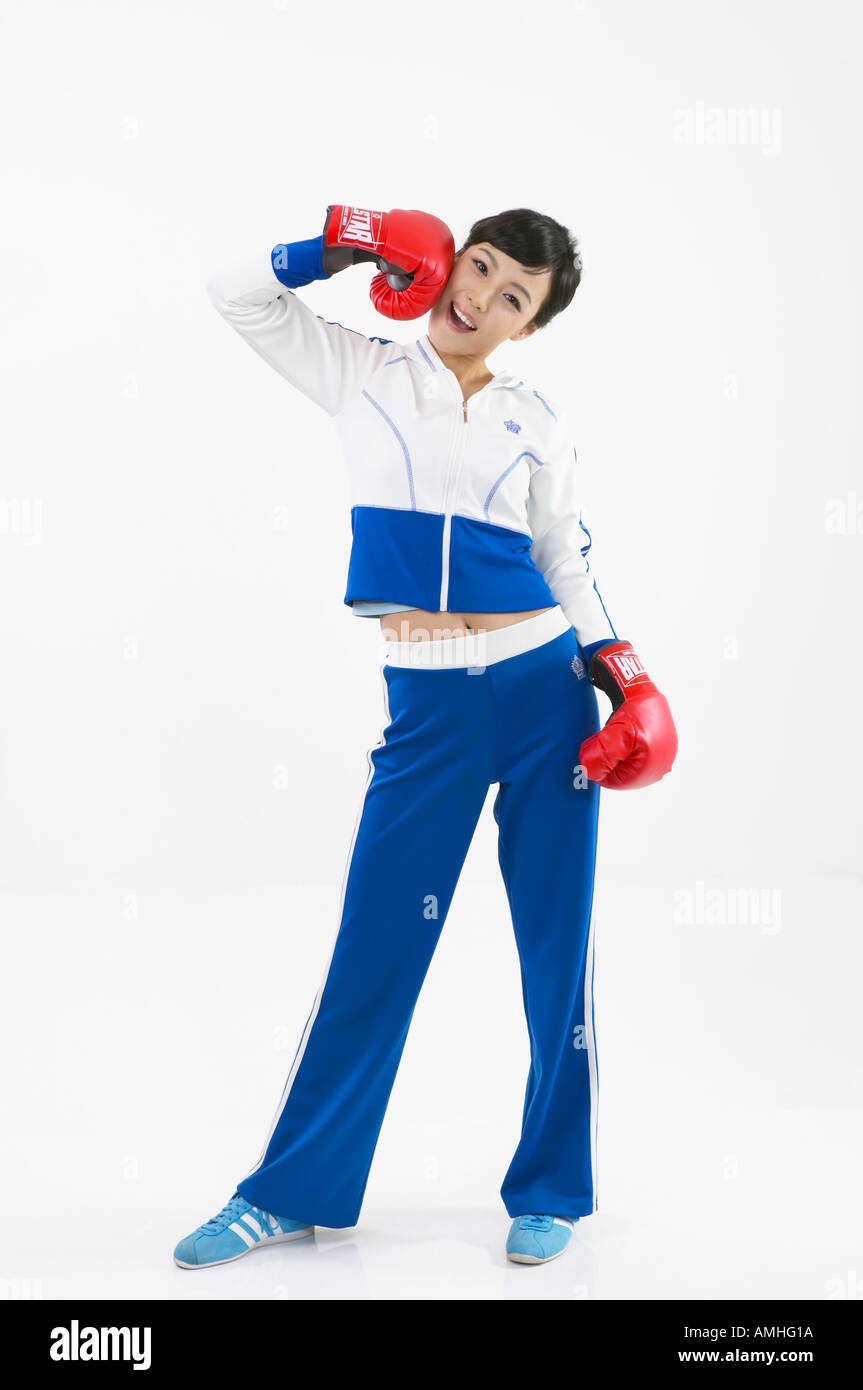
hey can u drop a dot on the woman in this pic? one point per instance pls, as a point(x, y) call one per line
point(468, 545)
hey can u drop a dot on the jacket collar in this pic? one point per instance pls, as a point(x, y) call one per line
point(428, 353)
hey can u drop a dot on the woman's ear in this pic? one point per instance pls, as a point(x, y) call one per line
point(525, 332)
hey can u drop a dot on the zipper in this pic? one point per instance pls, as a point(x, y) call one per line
point(451, 475)
point(447, 514)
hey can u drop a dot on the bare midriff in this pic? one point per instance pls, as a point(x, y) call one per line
point(418, 625)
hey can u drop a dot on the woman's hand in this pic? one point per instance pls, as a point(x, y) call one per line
point(638, 744)
point(414, 252)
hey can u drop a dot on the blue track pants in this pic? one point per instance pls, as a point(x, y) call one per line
point(511, 707)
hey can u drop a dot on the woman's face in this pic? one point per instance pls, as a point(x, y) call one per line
point(497, 294)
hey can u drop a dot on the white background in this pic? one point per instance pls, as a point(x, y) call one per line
point(187, 703)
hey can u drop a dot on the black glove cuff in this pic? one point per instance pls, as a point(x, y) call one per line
point(601, 677)
point(336, 258)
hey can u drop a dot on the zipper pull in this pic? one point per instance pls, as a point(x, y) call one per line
point(464, 410)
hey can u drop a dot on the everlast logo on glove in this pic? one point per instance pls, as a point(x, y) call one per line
point(627, 667)
point(359, 227)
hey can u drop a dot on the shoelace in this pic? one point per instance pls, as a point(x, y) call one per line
point(535, 1220)
point(230, 1211)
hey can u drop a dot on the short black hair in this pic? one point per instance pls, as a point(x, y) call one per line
point(539, 242)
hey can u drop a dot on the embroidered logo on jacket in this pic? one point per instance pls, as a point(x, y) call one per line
point(578, 667)
point(513, 426)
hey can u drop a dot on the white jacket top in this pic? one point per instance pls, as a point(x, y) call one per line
point(466, 506)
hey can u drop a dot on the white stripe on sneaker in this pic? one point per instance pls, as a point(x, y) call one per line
point(250, 1221)
point(242, 1233)
point(564, 1221)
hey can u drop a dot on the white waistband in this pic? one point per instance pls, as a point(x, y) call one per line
point(479, 649)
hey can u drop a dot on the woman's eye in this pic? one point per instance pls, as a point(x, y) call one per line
point(515, 302)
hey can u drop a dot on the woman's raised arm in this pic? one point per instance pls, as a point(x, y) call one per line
point(326, 361)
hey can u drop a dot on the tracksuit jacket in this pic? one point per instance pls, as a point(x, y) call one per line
point(460, 506)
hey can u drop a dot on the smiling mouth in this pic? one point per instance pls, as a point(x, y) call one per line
point(455, 322)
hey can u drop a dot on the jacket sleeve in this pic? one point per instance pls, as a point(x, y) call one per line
point(561, 540)
point(326, 361)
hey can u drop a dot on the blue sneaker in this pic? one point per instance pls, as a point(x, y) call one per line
point(237, 1229)
point(535, 1238)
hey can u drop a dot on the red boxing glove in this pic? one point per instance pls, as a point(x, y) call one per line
point(414, 250)
point(639, 742)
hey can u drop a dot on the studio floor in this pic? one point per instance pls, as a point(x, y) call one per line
point(142, 1071)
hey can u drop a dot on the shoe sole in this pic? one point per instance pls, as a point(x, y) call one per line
point(270, 1240)
point(535, 1259)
